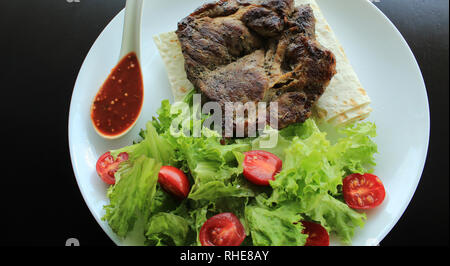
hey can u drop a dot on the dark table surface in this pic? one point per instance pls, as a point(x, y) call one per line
point(44, 44)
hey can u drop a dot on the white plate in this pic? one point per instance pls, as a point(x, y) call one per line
point(381, 57)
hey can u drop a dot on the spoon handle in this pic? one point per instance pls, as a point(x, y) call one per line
point(131, 37)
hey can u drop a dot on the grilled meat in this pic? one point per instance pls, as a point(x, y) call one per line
point(254, 51)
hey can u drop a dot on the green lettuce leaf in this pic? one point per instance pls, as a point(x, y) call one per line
point(131, 197)
point(153, 146)
point(198, 217)
point(355, 149)
point(167, 229)
point(278, 226)
point(167, 113)
point(215, 168)
point(163, 201)
point(337, 217)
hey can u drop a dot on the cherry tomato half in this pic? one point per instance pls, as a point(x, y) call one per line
point(317, 235)
point(107, 167)
point(223, 229)
point(363, 191)
point(261, 166)
point(174, 181)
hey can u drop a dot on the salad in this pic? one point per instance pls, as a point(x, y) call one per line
point(175, 189)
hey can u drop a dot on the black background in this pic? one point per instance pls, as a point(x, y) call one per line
point(43, 44)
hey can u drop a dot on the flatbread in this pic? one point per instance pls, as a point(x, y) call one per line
point(345, 99)
point(170, 49)
point(357, 114)
point(343, 102)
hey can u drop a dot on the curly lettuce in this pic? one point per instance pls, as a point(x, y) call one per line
point(131, 197)
point(307, 188)
point(274, 226)
point(313, 170)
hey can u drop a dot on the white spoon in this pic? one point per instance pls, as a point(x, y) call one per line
point(131, 43)
point(131, 37)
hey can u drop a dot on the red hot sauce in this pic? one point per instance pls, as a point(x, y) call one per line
point(118, 103)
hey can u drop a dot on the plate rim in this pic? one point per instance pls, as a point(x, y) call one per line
point(405, 205)
point(72, 160)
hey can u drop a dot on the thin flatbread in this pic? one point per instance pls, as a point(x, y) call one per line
point(170, 49)
point(344, 100)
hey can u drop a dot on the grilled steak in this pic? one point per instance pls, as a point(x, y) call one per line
point(254, 51)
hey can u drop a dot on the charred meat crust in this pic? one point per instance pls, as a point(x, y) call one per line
point(257, 50)
point(282, 7)
point(263, 21)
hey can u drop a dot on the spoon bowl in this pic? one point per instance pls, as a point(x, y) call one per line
point(129, 60)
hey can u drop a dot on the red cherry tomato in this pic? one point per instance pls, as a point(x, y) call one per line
point(363, 191)
point(261, 166)
point(317, 235)
point(174, 181)
point(223, 229)
point(107, 167)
